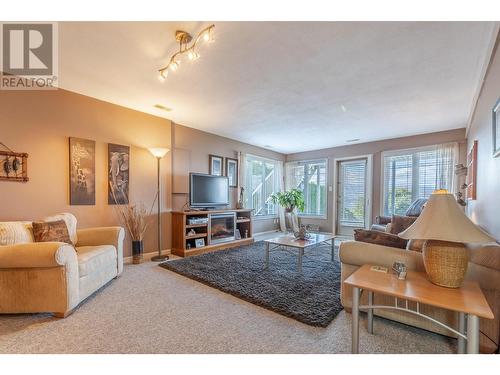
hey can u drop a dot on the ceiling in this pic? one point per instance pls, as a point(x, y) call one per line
point(287, 86)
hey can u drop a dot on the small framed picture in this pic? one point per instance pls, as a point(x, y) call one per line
point(496, 129)
point(232, 171)
point(199, 242)
point(215, 165)
point(237, 234)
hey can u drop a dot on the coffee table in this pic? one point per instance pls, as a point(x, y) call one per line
point(468, 301)
point(301, 245)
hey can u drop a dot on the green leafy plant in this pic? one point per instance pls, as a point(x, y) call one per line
point(289, 200)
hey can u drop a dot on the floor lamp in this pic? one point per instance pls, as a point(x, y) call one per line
point(159, 153)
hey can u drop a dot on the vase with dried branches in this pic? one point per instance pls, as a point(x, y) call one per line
point(135, 218)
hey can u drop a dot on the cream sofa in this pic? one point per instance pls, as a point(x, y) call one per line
point(484, 267)
point(54, 276)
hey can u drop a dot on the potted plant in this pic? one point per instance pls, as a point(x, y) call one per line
point(290, 200)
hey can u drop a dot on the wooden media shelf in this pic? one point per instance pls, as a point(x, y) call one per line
point(184, 244)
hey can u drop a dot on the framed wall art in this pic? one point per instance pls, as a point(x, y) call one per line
point(232, 171)
point(496, 129)
point(215, 165)
point(82, 171)
point(118, 174)
point(13, 165)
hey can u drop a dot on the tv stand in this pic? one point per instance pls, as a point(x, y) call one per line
point(184, 244)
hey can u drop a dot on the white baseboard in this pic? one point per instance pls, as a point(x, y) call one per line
point(147, 256)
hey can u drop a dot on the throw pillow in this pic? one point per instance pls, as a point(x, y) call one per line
point(400, 223)
point(70, 221)
point(14, 232)
point(379, 238)
point(51, 231)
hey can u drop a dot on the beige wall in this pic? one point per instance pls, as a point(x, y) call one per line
point(40, 122)
point(197, 145)
point(485, 211)
point(375, 149)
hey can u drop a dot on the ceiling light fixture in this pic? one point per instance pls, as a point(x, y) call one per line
point(184, 39)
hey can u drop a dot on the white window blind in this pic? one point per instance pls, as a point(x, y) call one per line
point(309, 177)
point(352, 181)
point(260, 183)
point(416, 173)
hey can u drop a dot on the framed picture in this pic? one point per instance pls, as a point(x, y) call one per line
point(232, 171)
point(82, 171)
point(199, 242)
point(118, 174)
point(472, 172)
point(237, 234)
point(496, 129)
point(215, 165)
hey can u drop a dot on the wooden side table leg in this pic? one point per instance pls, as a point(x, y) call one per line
point(461, 328)
point(355, 321)
point(472, 334)
point(370, 312)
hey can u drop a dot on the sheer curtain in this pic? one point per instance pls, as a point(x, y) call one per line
point(281, 187)
point(447, 158)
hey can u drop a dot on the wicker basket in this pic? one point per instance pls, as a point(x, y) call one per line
point(445, 262)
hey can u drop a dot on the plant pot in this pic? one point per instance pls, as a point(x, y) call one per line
point(137, 252)
point(292, 224)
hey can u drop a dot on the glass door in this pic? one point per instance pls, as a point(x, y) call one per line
point(351, 196)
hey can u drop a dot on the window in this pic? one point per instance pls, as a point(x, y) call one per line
point(260, 183)
point(310, 178)
point(412, 174)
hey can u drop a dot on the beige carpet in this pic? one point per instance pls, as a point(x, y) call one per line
point(152, 310)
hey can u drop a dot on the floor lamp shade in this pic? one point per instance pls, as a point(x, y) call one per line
point(445, 228)
point(158, 152)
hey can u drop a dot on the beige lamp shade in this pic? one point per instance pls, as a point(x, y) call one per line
point(442, 219)
point(158, 152)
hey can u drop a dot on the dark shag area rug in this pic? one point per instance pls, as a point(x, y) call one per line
point(311, 297)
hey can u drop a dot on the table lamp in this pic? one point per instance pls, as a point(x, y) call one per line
point(159, 153)
point(445, 228)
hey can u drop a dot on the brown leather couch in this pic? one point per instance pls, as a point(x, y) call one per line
point(414, 210)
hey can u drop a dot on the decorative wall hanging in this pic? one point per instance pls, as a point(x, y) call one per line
point(82, 171)
point(496, 129)
point(13, 165)
point(118, 174)
point(472, 172)
point(215, 165)
point(232, 171)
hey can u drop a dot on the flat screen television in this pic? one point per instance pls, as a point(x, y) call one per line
point(207, 191)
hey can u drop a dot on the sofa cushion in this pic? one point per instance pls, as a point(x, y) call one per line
point(379, 238)
point(15, 232)
point(70, 221)
point(52, 231)
point(401, 223)
point(94, 258)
